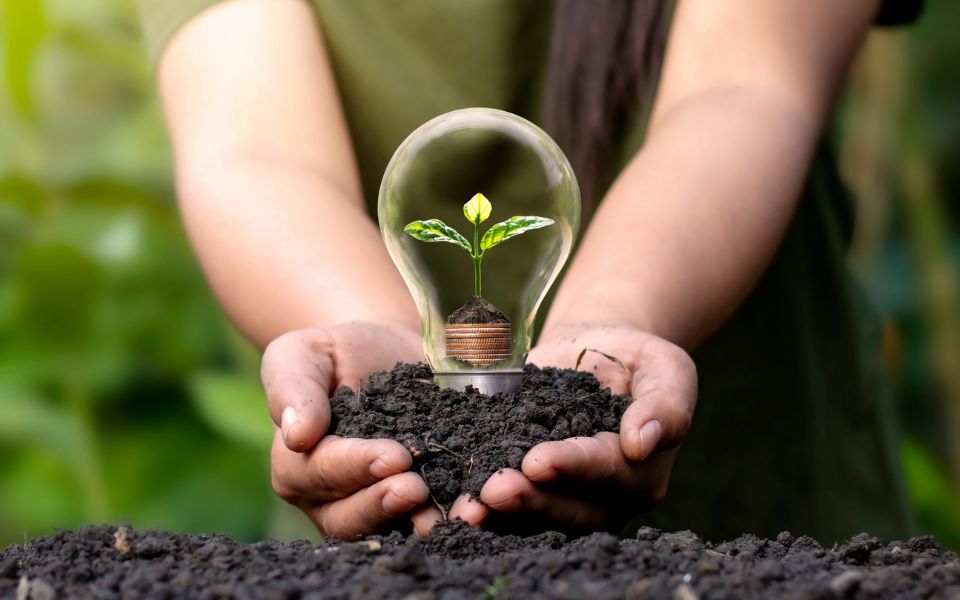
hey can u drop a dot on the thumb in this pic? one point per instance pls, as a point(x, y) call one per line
point(296, 372)
point(664, 391)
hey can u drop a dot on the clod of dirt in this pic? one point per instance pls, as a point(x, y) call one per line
point(458, 562)
point(459, 439)
point(477, 310)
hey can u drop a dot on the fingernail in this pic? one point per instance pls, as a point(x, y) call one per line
point(511, 503)
point(288, 418)
point(380, 469)
point(393, 504)
point(649, 437)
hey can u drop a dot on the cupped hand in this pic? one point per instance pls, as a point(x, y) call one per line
point(598, 482)
point(348, 487)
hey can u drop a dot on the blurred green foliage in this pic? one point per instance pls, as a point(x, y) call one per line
point(124, 394)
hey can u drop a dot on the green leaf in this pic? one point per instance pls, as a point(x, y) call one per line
point(477, 209)
point(26, 26)
point(435, 230)
point(512, 227)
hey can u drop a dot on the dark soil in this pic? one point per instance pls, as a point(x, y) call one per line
point(477, 310)
point(458, 439)
point(459, 562)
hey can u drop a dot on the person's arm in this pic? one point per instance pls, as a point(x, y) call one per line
point(270, 195)
point(266, 177)
point(680, 240)
point(696, 217)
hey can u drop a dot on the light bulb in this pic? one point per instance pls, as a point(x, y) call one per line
point(501, 199)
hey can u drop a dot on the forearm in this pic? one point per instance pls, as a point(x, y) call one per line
point(267, 181)
point(283, 248)
point(694, 220)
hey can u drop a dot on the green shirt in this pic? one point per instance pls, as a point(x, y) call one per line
point(794, 427)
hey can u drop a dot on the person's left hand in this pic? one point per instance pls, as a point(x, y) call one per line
point(589, 483)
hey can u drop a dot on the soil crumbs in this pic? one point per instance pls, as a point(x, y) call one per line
point(477, 310)
point(459, 439)
point(458, 562)
point(446, 429)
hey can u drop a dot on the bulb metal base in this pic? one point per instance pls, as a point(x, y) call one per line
point(485, 382)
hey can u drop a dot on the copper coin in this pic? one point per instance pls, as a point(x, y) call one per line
point(479, 341)
point(492, 346)
point(480, 332)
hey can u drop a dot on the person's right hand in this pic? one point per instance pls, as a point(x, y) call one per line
point(348, 487)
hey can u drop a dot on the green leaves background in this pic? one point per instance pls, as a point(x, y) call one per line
point(124, 394)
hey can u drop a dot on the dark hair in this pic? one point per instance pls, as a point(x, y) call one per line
point(604, 59)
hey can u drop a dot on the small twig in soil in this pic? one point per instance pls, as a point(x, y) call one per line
point(470, 468)
point(603, 354)
point(443, 513)
point(435, 447)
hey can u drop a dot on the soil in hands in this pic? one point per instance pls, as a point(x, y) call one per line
point(477, 310)
point(459, 562)
point(459, 439)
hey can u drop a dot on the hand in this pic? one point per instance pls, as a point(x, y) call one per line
point(599, 482)
point(348, 487)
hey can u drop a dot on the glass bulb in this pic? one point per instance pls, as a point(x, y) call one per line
point(501, 199)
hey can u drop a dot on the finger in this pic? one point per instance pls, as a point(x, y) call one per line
point(664, 391)
point(583, 461)
point(509, 491)
point(470, 510)
point(424, 519)
point(367, 511)
point(335, 468)
point(296, 372)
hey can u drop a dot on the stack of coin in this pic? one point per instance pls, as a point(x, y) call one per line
point(480, 344)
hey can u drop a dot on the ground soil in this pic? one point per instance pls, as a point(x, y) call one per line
point(446, 428)
point(477, 310)
point(458, 439)
point(459, 562)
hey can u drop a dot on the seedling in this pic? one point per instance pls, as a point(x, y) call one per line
point(476, 210)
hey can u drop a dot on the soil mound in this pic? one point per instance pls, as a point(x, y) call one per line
point(458, 439)
point(477, 310)
point(457, 562)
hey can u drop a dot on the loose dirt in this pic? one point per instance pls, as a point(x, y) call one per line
point(457, 562)
point(458, 439)
point(477, 310)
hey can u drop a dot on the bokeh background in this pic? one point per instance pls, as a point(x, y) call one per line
point(125, 395)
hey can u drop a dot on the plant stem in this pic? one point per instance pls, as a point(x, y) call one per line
point(477, 257)
point(476, 276)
